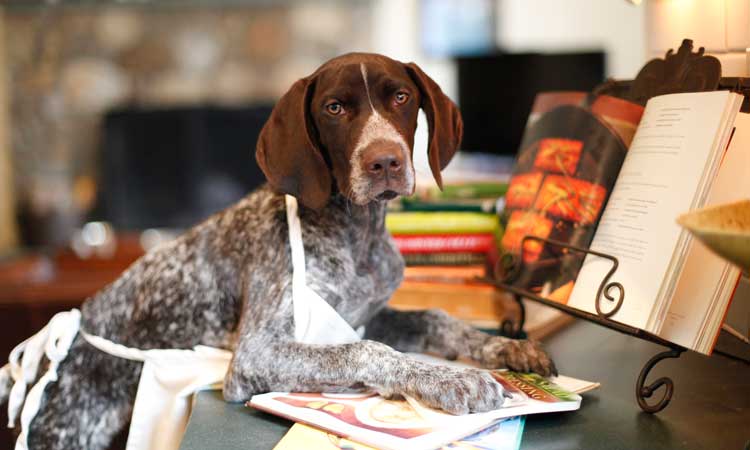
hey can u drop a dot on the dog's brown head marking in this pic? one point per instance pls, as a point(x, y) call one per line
point(350, 127)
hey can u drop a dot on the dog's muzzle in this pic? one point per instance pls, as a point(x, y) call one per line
point(387, 169)
point(383, 161)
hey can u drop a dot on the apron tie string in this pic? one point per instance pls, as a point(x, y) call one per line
point(55, 340)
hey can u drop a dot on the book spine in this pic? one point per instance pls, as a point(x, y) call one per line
point(400, 223)
point(457, 243)
point(441, 259)
point(444, 274)
point(470, 190)
point(485, 206)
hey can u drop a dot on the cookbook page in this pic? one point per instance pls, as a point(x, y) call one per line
point(660, 178)
point(707, 281)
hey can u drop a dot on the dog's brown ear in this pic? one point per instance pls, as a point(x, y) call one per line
point(288, 153)
point(443, 119)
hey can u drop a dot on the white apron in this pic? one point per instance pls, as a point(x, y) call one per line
point(170, 376)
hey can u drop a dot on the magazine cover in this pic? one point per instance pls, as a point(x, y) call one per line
point(570, 156)
point(397, 424)
point(503, 435)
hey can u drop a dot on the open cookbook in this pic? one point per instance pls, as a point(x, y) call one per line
point(603, 173)
point(370, 419)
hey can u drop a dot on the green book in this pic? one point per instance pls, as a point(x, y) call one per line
point(469, 190)
point(456, 205)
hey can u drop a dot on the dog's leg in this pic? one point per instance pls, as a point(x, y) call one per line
point(434, 331)
point(89, 404)
point(262, 365)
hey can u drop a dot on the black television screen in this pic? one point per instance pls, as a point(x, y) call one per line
point(496, 92)
point(171, 168)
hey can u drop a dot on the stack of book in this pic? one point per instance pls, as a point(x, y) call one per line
point(449, 238)
point(365, 421)
point(456, 227)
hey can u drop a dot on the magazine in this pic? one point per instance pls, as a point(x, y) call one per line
point(397, 424)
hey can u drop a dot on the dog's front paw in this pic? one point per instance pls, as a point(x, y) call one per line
point(457, 391)
point(518, 355)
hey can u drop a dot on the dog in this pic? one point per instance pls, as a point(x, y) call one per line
point(341, 142)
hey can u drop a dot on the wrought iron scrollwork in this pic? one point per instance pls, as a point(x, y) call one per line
point(514, 329)
point(644, 392)
point(510, 268)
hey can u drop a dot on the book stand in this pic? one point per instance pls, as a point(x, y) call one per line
point(606, 306)
point(680, 71)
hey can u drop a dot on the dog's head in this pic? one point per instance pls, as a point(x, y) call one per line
point(350, 127)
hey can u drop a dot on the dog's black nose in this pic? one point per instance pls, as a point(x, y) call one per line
point(383, 161)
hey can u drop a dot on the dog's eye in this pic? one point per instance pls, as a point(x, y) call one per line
point(334, 108)
point(401, 98)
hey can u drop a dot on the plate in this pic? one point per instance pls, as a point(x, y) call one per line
point(725, 229)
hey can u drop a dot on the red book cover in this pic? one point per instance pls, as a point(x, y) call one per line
point(437, 243)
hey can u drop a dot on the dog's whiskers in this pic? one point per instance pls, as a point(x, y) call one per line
point(348, 202)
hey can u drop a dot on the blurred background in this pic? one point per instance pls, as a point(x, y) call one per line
point(123, 122)
point(144, 114)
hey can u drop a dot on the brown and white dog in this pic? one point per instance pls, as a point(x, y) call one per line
point(340, 141)
point(353, 121)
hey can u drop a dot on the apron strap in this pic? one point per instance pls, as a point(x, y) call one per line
point(114, 349)
point(302, 319)
point(315, 321)
point(299, 273)
point(168, 378)
point(55, 339)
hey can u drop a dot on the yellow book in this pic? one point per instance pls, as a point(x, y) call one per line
point(441, 222)
point(304, 436)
